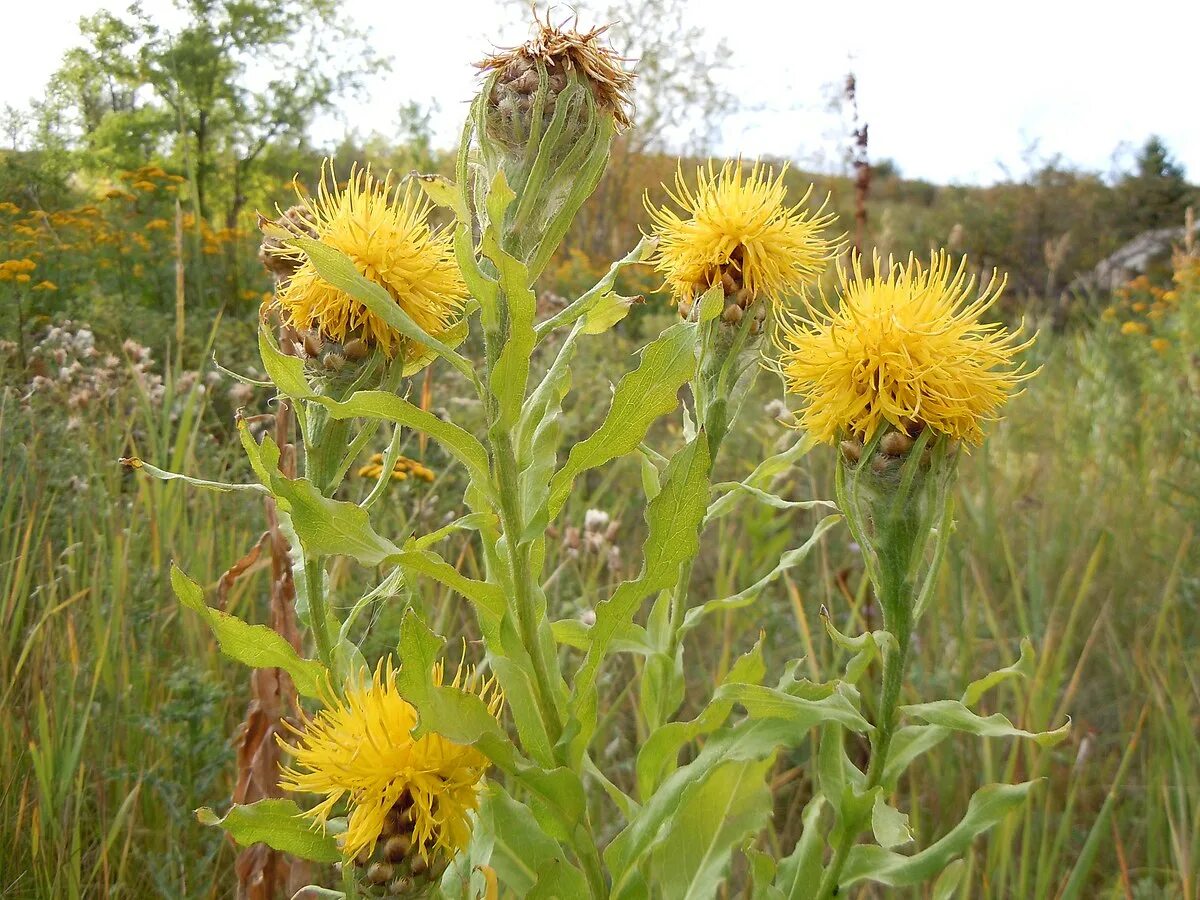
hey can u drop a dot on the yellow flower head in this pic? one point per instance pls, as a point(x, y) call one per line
point(1134, 328)
point(385, 232)
point(361, 749)
point(904, 346)
point(737, 224)
point(1161, 345)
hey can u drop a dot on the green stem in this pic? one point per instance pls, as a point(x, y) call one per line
point(318, 614)
point(896, 595)
point(518, 554)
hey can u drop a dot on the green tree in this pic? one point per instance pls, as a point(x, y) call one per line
point(233, 78)
point(1156, 193)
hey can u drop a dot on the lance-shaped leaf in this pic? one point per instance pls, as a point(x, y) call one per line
point(954, 715)
point(648, 392)
point(456, 714)
point(732, 804)
point(657, 757)
point(338, 269)
point(988, 806)
point(674, 519)
point(443, 192)
point(800, 872)
point(278, 824)
point(791, 558)
point(389, 407)
point(520, 849)
point(751, 740)
point(256, 646)
point(759, 478)
point(584, 304)
point(510, 374)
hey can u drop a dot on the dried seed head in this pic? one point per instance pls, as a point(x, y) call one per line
point(511, 103)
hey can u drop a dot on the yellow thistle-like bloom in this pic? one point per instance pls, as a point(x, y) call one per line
point(403, 469)
point(361, 749)
point(904, 346)
point(385, 232)
point(737, 224)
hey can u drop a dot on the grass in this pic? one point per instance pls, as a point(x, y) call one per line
point(1075, 528)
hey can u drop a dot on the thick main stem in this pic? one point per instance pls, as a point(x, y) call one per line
point(896, 597)
point(518, 554)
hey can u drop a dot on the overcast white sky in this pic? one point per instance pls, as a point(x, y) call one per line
point(953, 91)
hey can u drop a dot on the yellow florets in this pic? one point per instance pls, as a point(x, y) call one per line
point(737, 224)
point(386, 234)
point(361, 749)
point(905, 347)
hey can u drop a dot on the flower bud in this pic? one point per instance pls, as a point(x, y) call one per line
point(545, 119)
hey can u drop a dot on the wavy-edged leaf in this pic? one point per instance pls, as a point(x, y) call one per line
point(456, 714)
point(278, 824)
point(988, 806)
point(674, 519)
point(800, 872)
point(745, 597)
point(256, 646)
point(761, 476)
point(580, 307)
point(389, 407)
point(693, 854)
point(339, 270)
point(642, 396)
point(952, 714)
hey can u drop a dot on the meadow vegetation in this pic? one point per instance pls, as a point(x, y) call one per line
point(126, 294)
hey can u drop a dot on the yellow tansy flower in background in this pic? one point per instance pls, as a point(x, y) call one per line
point(46, 285)
point(385, 232)
point(904, 346)
point(402, 470)
point(736, 225)
point(360, 749)
point(1135, 328)
point(1161, 345)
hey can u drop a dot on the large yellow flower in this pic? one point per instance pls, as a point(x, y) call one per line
point(735, 227)
point(385, 232)
point(361, 749)
point(904, 346)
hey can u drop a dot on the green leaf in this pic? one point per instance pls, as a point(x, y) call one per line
point(338, 269)
point(760, 477)
point(558, 879)
point(657, 757)
point(770, 499)
point(132, 462)
point(609, 309)
point(510, 375)
point(389, 407)
point(286, 372)
point(482, 288)
point(674, 519)
point(907, 744)
point(278, 824)
point(520, 848)
point(947, 883)
point(762, 702)
point(256, 646)
point(640, 253)
point(693, 854)
point(747, 741)
point(800, 873)
point(456, 714)
point(643, 395)
point(1023, 668)
point(952, 714)
point(889, 825)
point(988, 806)
point(745, 597)
point(443, 192)
point(712, 304)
